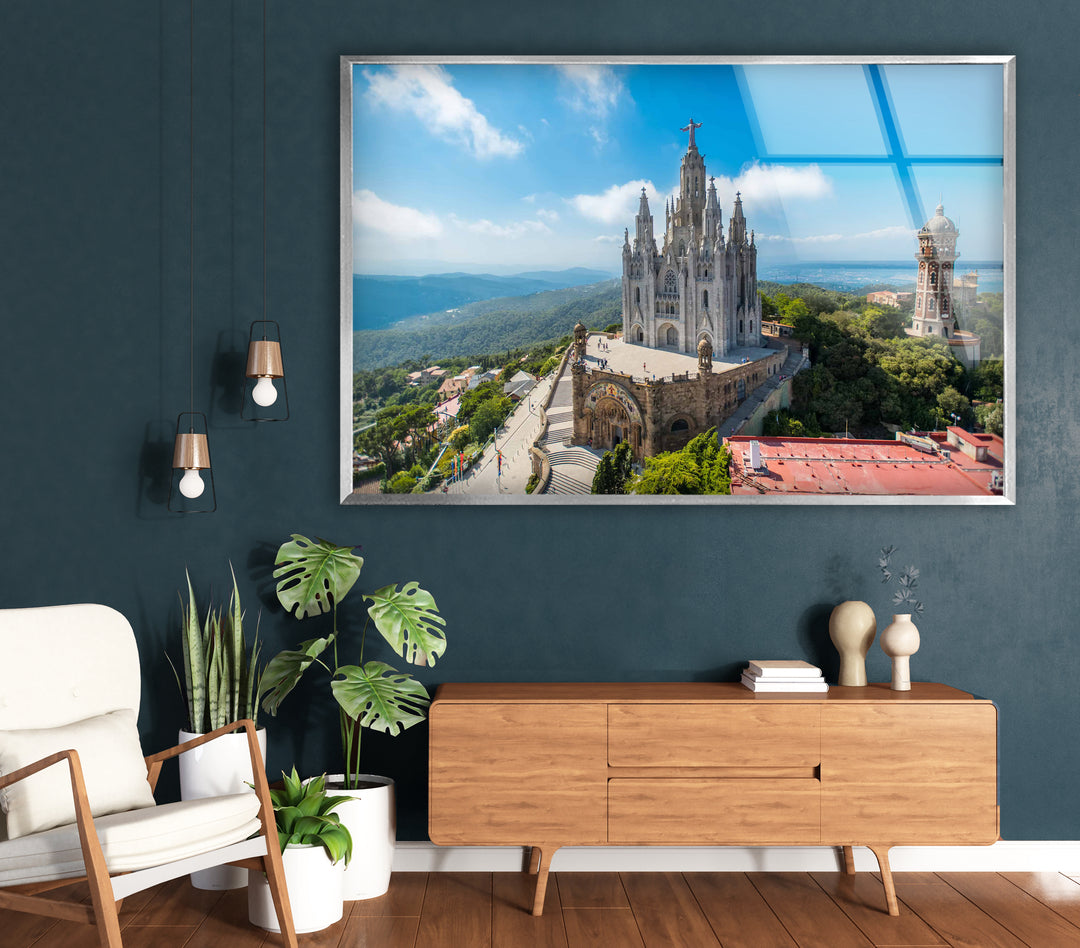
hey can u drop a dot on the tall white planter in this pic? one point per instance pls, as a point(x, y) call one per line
point(371, 820)
point(219, 767)
point(314, 885)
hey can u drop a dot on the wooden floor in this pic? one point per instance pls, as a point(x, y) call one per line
point(620, 910)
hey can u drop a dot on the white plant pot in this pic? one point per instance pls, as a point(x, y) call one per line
point(371, 820)
point(314, 885)
point(215, 769)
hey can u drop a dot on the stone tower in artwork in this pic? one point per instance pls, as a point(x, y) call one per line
point(697, 285)
point(934, 314)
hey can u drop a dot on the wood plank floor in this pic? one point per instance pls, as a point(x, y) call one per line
point(619, 910)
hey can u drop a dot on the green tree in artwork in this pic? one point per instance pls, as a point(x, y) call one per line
point(488, 417)
point(950, 402)
point(381, 439)
point(702, 467)
point(615, 471)
point(992, 418)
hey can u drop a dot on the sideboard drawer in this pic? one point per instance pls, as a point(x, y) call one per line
point(705, 810)
point(685, 735)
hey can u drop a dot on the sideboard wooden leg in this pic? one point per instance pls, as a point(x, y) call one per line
point(882, 853)
point(849, 860)
point(534, 859)
point(543, 856)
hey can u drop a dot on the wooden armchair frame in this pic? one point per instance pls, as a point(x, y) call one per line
point(261, 853)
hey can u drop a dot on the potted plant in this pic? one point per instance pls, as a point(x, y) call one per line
point(221, 685)
point(313, 578)
point(315, 848)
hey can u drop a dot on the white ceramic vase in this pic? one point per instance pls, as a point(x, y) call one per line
point(314, 885)
point(851, 627)
point(371, 819)
point(219, 767)
point(900, 641)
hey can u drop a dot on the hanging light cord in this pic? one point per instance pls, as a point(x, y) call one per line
point(266, 293)
point(191, 213)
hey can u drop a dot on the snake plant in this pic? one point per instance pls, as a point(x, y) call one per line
point(221, 677)
point(314, 576)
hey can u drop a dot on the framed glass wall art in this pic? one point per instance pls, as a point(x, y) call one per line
point(672, 280)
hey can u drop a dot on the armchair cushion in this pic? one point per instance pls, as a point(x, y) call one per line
point(112, 764)
point(134, 840)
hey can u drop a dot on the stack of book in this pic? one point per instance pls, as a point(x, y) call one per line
point(779, 676)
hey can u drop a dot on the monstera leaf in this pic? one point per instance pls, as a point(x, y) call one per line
point(380, 697)
point(284, 670)
point(313, 575)
point(409, 620)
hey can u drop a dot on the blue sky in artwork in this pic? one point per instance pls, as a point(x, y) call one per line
point(503, 167)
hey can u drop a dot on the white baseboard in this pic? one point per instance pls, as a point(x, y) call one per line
point(1003, 856)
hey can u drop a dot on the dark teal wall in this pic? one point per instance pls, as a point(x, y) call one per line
point(94, 305)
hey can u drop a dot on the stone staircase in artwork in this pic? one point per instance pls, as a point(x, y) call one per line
point(572, 471)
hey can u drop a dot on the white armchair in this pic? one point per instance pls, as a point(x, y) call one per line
point(76, 793)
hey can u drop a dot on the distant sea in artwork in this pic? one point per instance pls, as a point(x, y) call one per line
point(848, 276)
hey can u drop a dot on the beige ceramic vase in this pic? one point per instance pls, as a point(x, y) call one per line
point(900, 640)
point(851, 627)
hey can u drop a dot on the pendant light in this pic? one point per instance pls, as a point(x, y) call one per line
point(188, 491)
point(266, 397)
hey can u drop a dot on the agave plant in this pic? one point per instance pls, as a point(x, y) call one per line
point(221, 677)
point(314, 576)
point(304, 816)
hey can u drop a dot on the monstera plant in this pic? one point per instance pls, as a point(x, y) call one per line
point(313, 577)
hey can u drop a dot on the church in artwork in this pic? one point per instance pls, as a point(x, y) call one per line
point(691, 348)
point(697, 285)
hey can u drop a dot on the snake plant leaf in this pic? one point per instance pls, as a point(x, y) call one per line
point(314, 575)
point(285, 669)
point(409, 620)
point(194, 661)
point(380, 697)
point(234, 626)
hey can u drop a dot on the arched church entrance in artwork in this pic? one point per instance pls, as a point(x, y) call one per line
point(667, 336)
point(611, 424)
point(614, 416)
point(637, 334)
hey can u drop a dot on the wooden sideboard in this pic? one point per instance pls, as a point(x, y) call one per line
point(550, 765)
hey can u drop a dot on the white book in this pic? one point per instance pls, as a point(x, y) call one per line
point(806, 686)
point(785, 668)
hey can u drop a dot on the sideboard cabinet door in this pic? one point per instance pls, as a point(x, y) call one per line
point(909, 773)
point(506, 773)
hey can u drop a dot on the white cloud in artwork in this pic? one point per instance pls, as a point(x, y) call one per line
point(393, 220)
point(550, 216)
point(771, 185)
point(608, 239)
point(591, 88)
point(618, 204)
point(427, 91)
point(511, 231)
point(880, 233)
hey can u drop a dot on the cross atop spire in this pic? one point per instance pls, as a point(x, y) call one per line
point(690, 128)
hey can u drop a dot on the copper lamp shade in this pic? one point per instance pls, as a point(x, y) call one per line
point(264, 359)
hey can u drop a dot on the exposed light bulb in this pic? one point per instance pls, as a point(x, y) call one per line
point(264, 393)
point(191, 484)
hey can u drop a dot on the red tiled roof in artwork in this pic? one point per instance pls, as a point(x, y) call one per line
point(851, 466)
